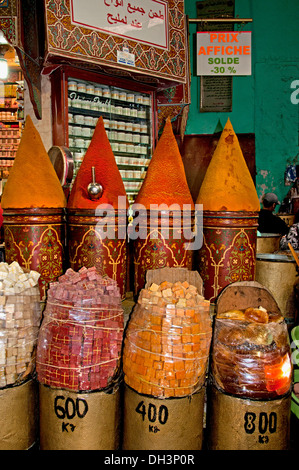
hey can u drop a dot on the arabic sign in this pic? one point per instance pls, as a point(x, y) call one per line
point(143, 20)
point(224, 53)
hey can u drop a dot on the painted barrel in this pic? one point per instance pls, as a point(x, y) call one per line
point(268, 242)
point(277, 272)
point(152, 423)
point(88, 246)
point(164, 241)
point(295, 204)
point(242, 424)
point(35, 238)
point(19, 416)
point(288, 218)
point(295, 391)
point(79, 421)
point(228, 251)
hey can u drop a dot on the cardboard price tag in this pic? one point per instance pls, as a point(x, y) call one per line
point(84, 421)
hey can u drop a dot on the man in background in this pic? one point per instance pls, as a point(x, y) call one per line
point(269, 222)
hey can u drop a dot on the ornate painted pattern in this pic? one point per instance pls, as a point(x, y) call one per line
point(157, 252)
point(87, 248)
point(37, 247)
point(227, 255)
point(8, 20)
point(71, 41)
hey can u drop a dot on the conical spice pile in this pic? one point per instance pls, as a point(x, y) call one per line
point(32, 181)
point(100, 156)
point(228, 185)
point(165, 181)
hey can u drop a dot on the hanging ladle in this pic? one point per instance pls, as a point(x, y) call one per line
point(94, 189)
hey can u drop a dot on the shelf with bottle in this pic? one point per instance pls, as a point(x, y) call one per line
point(77, 115)
point(127, 120)
point(90, 91)
point(123, 150)
point(8, 115)
point(136, 132)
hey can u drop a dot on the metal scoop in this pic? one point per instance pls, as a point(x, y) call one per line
point(94, 189)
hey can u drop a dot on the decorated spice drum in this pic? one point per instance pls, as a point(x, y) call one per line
point(20, 314)
point(97, 213)
point(166, 218)
point(277, 271)
point(165, 356)
point(33, 213)
point(230, 218)
point(251, 372)
point(79, 350)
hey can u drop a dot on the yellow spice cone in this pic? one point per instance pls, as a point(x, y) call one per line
point(228, 185)
point(32, 180)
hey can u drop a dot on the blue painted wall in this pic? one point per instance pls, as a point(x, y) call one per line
point(261, 102)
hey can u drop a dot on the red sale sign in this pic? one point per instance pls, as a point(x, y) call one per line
point(224, 53)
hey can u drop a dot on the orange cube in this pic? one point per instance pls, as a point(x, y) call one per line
point(180, 312)
point(156, 348)
point(189, 312)
point(177, 349)
point(146, 389)
point(159, 374)
point(186, 339)
point(168, 366)
point(168, 393)
point(187, 348)
point(170, 374)
point(158, 365)
point(177, 321)
point(179, 365)
point(155, 320)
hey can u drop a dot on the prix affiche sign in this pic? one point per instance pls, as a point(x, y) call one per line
point(224, 53)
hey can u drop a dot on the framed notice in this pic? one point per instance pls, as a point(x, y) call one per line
point(215, 94)
point(145, 21)
point(144, 40)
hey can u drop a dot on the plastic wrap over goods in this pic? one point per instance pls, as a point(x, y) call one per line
point(167, 341)
point(20, 317)
point(79, 344)
point(251, 354)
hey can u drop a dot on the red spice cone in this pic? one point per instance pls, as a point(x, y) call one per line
point(165, 181)
point(99, 155)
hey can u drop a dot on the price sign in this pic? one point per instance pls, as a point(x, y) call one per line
point(224, 53)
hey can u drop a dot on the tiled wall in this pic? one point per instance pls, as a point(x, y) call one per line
point(44, 126)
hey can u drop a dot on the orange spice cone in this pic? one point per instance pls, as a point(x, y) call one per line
point(86, 245)
point(32, 180)
point(230, 218)
point(33, 211)
point(165, 183)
